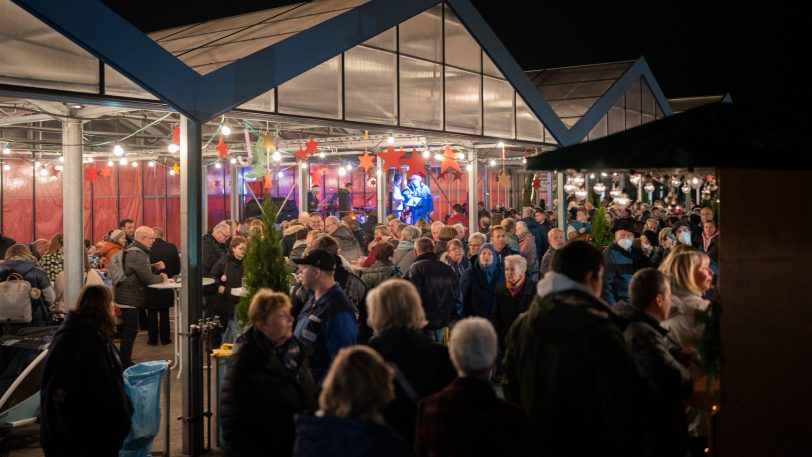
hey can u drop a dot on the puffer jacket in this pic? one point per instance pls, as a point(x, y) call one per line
point(348, 246)
point(681, 323)
point(438, 287)
point(340, 437)
point(404, 256)
point(260, 397)
point(619, 267)
point(379, 272)
point(232, 269)
point(568, 367)
point(107, 249)
point(132, 291)
point(478, 296)
point(40, 308)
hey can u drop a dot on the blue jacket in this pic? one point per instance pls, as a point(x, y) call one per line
point(619, 267)
point(325, 326)
point(479, 297)
point(340, 437)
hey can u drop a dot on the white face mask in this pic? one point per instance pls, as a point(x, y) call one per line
point(685, 238)
point(625, 243)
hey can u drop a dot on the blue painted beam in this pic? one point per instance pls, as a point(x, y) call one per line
point(638, 69)
point(503, 60)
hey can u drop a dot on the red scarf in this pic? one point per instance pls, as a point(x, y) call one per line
point(515, 287)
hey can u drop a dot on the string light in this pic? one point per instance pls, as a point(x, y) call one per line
point(349, 167)
point(303, 165)
point(438, 157)
point(6, 150)
point(281, 174)
point(109, 163)
point(217, 165)
point(134, 164)
point(226, 130)
point(61, 158)
point(276, 156)
point(233, 161)
point(492, 163)
point(342, 171)
point(500, 145)
point(171, 172)
point(151, 163)
point(426, 154)
point(390, 140)
point(322, 155)
point(7, 167)
point(43, 172)
point(37, 164)
point(173, 148)
point(123, 161)
point(469, 167)
point(118, 150)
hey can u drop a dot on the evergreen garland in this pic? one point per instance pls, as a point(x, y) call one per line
point(710, 346)
point(601, 230)
point(528, 191)
point(264, 263)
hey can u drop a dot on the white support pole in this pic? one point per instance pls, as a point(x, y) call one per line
point(380, 189)
point(72, 210)
point(561, 211)
point(473, 216)
point(485, 187)
point(303, 184)
point(234, 197)
point(549, 201)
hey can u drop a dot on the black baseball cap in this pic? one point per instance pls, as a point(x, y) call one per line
point(320, 259)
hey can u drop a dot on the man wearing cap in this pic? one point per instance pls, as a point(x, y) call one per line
point(328, 320)
point(621, 261)
point(419, 195)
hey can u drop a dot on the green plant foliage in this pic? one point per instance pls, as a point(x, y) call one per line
point(710, 346)
point(601, 230)
point(528, 191)
point(264, 263)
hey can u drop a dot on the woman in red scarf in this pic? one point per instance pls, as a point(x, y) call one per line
point(513, 297)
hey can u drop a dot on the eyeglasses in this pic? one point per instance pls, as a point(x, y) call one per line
point(474, 245)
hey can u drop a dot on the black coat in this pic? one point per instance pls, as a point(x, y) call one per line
point(211, 252)
point(479, 297)
point(232, 269)
point(438, 287)
point(166, 252)
point(425, 365)
point(508, 308)
point(84, 408)
point(340, 437)
point(259, 398)
point(5, 243)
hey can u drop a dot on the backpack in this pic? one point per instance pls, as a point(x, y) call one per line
point(115, 268)
point(15, 300)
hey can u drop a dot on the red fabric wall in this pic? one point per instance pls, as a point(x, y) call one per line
point(18, 208)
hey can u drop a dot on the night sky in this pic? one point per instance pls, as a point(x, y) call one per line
point(693, 47)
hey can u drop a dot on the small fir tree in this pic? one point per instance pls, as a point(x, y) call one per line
point(528, 191)
point(601, 230)
point(264, 263)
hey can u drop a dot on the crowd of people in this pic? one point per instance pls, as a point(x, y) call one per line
point(394, 335)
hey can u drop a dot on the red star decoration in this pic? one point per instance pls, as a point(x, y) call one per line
point(221, 148)
point(449, 161)
point(300, 154)
point(416, 162)
point(457, 176)
point(91, 174)
point(312, 146)
point(105, 172)
point(536, 183)
point(267, 180)
point(176, 135)
point(391, 158)
point(366, 161)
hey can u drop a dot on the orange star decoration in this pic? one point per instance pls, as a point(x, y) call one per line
point(91, 174)
point(106, 172)
point(214, 183)
point(391, 158)
point(366, 161)
point(416, 162)
point(267, 180)
point(312, 146)
point(449, 160)
point(176, 168)
point(503, 178)
point(268, 141)
point(221, 148)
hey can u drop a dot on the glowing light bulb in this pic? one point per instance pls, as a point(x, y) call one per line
point(123, 161)
point(378, 172)
point(390, 140)
point(217, 165)
point(349, 167)
point(6, 151)
point(438, 157)
point(171, 172)
point(43, 172)
point(303, 165)
point(233, 160)
point(151, 163)
point(37, 164)
point(59, 168)
point(469, 167)
point(61, 158)
point(226, 130)
point(7, 167)
point(492, 162)
point(426, 154)
point(118, 150)
point(276, 156)
point(109, 163)
point(281, 174)
point(173, 148)
point(134, 164)
point(500, 145)
point(322, 155)
point(342, 171)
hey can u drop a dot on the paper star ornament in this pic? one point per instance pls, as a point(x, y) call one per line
point(449, 160)
point(106, 172)
point(301, 154)
point(91, 175)
point(176, 167)
point(416, 162)
point(267, 141)
point(312, 146)
point(221, 148)
point(391, 158)
point(366, 161)
point(503, 178)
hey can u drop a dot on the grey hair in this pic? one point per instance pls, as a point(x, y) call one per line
point(472, 346)
point(222, 226)
point(519, 262)
point(527, 211)
point(410, 233)
point(477, 237)
point(460, 229)
point(522, 225)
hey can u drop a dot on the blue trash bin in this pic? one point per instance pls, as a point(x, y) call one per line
point(142, 383)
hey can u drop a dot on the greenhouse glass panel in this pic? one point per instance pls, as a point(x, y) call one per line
point(528, 126)
point(616, 117)
point(370, 85)
point(421, 36)
point(647, 102)
point(297, 95)
point(489, 68)
point(633, 106)
point(599, 131)
point(116, 84)
point(499, 114)
point(461, 50)
point(421, 94)
point(264, 102)
point(50, 60)
point(386, 40)
point(463, 106)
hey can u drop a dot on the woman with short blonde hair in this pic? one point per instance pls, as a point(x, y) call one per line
point(350, 422)
point(395, 303)
point(265, 303)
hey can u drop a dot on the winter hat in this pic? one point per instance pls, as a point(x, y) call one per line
point(652, 237)
point(117, 235)
point(624, 224)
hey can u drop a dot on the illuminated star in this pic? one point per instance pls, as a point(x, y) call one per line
point(91, 174)
point(391, 158)
point(312, 146)
point(221, 148)
point(300, 154)
point(106, 172)
point(366, 161)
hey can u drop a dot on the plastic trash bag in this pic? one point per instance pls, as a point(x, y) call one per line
point(142, 383)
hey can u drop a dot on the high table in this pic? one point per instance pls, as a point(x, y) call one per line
point(175, 286)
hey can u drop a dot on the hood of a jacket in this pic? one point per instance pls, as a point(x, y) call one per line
point(571, 312)
point(556, 282)
point(292, 230)
point(405, 246)
point(684, 302)
point(342, 436)
point(17, 265)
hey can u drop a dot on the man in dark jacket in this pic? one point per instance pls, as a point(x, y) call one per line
point(267, 384)
point(159, 301)
point(622, 259)
point(567, 364)
point(659, 363)
point(539, 233)
point(344, 197)
point(438, 287)
point(213, 247)
point(131, 293)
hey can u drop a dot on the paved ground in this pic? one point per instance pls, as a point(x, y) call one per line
point(25, 442)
